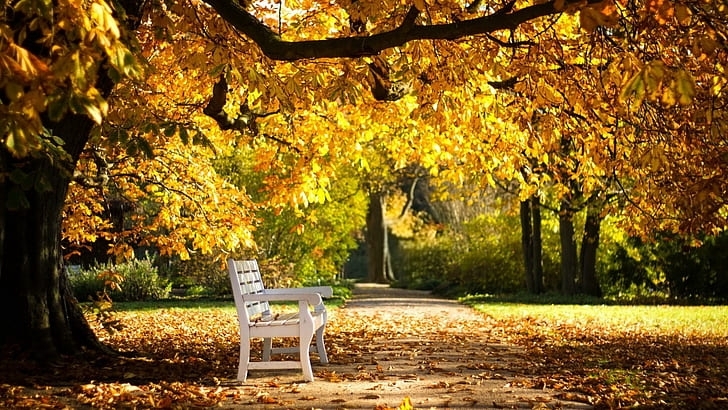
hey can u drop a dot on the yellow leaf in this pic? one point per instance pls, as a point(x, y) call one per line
point(587, 19)
point(406, 404)
point(420, 4)
point(683, 15)
point(684, 87)
point(13, 91)
point(634, 91)
point(602, 14)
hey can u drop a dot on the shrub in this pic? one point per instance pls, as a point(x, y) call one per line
point(483, 256)
point(135, 280)
point(202, 275)
point(678, 266)
point(425, 263)
point(87, 284)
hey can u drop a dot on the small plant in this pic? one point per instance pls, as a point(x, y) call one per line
point(102, 311)
point(94, 287)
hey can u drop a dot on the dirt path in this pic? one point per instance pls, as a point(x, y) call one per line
point(408, 344)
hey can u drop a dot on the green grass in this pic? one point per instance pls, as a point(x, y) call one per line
point(176, 303)
point(201, 303)
point(707, 321)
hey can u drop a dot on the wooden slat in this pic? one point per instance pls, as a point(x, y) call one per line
point(251, 282)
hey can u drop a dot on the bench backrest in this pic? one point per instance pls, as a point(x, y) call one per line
point(245, 279)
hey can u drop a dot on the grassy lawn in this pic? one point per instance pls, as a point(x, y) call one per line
point(688, 321)
point(181, 303)
point(203, 304)
point(661, 356)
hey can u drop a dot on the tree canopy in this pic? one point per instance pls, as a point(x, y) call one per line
point(118, 110)
point(552, 92)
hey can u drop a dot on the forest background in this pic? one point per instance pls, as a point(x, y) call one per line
point(565, 146)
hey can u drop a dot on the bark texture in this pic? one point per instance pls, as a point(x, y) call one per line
point(32, 281)
point(274, 47)
point(531, 243)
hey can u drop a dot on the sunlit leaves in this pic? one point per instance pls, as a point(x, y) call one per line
point(603, 14)
point(64, 76)
point(657, 82)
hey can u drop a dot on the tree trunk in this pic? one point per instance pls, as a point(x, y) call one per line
point(527, 244)
point(532, 244)
point(379, 266)
point(568, 249)
point(589, 246)
point(40, 313)
point(46, 320)
point(537, 245)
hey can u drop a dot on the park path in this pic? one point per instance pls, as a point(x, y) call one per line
point(386, 344)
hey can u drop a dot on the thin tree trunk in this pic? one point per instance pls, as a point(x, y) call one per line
point(589, 246)
point(527, 244)
point(537, 245)
point(569, 261)
point(532, 244)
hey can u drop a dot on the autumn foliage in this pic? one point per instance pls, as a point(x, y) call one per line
point(587, 99)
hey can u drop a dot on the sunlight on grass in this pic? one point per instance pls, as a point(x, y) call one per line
point(195, 304)
point(692, 321)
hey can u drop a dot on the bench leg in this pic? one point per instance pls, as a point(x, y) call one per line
point(267, 347)
point(244, 358)
point(303, 349)
point(320, 347)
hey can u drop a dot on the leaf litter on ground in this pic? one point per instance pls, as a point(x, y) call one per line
point(187, 358)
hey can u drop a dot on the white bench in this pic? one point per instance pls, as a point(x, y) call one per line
point(257, 321)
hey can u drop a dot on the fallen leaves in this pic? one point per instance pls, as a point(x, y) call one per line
point(188, 358)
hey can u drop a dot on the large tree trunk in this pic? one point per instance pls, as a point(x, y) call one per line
point(569, 261)
point(379, 265)
point(589, 246)
point(46, 319)
point(40, 313)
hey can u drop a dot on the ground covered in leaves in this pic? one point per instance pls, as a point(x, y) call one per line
point(385, 346)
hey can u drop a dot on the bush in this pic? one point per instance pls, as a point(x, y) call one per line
point(87, 284)
point(482, 257)
point(676, 266)
point(202, 275)
point(135, 280)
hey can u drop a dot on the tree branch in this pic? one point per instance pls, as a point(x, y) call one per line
point(245, 122)
point(356, 46)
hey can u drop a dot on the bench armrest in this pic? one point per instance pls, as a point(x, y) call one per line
point(324, 291)
point(311, 298)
